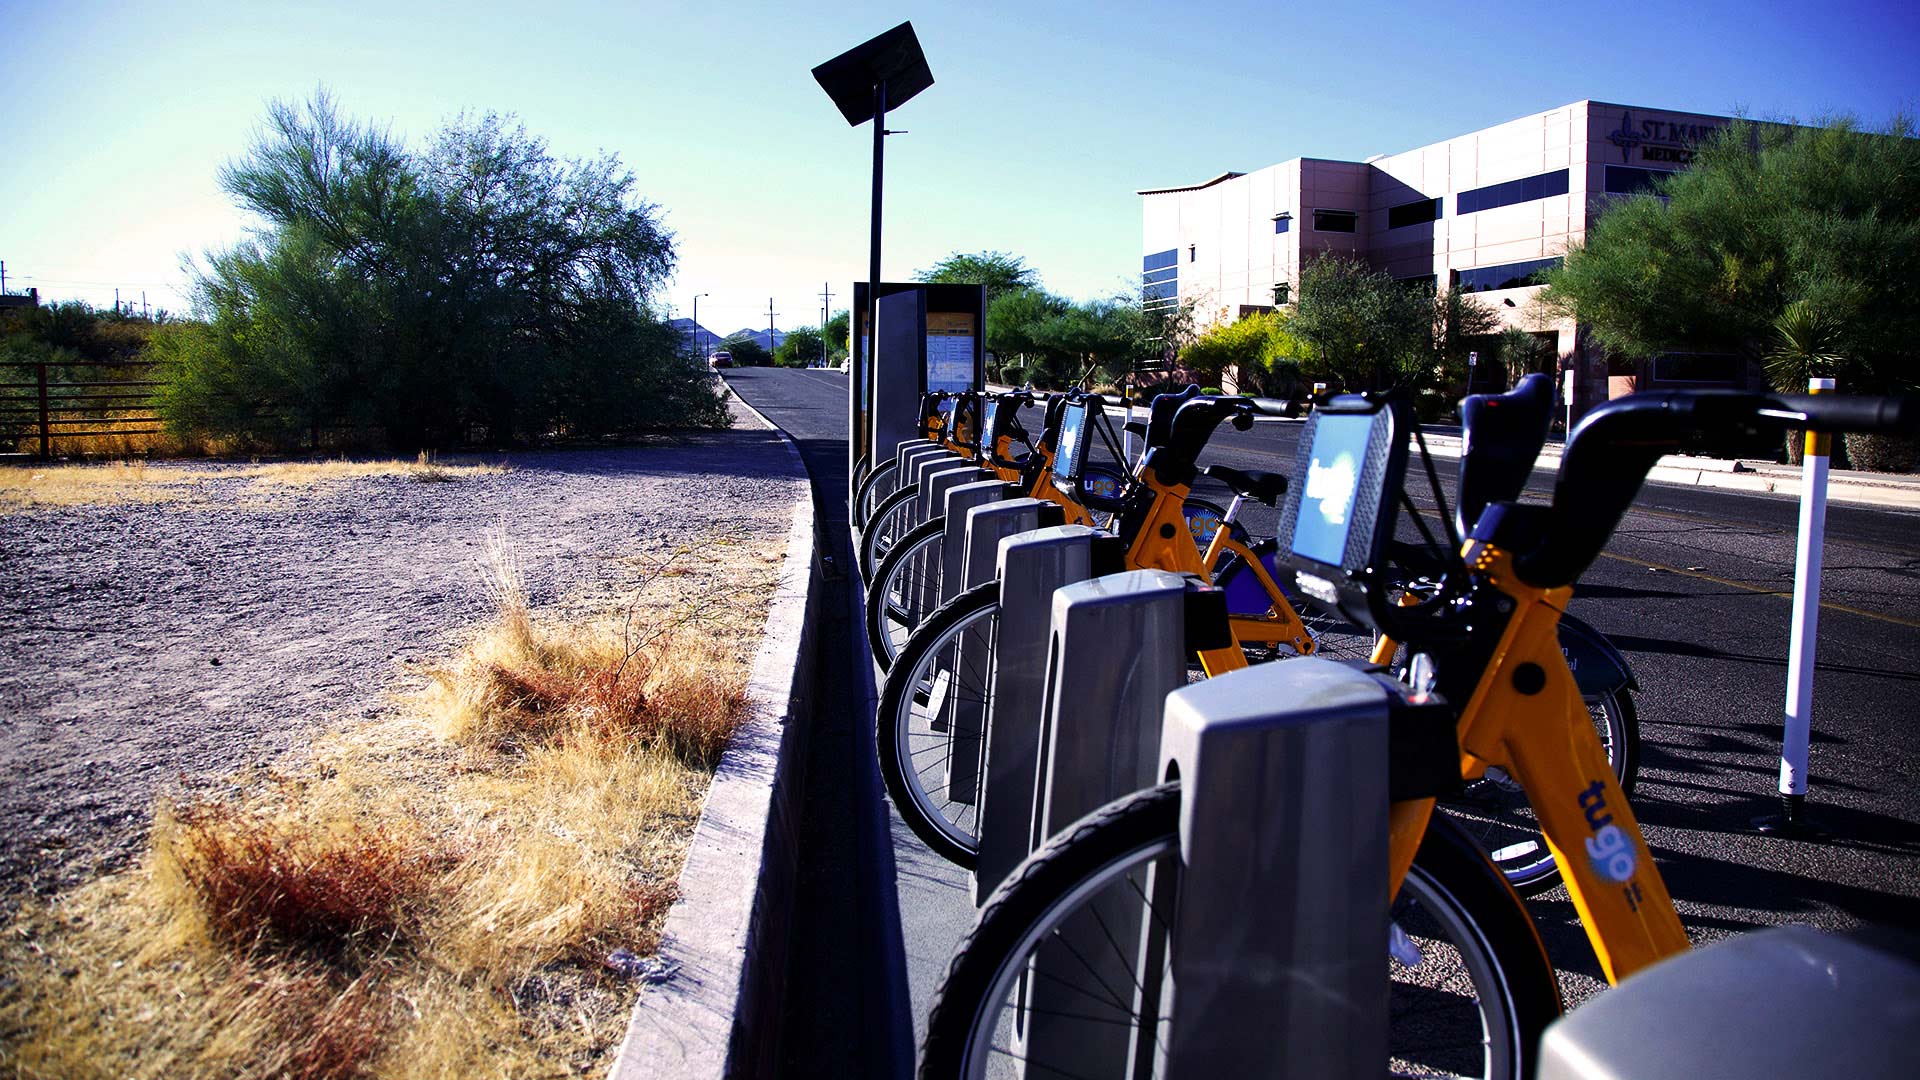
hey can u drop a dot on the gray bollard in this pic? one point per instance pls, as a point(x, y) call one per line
point(989, 524)
point(1031, 566)
point(900, 452)
point(965, 714)
point(937, 480)
point(1116, 649)
point(934, 486)
point(962, 503)
point(1282, 916)
point(911, 456)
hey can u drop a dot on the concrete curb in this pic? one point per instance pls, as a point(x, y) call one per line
point(712, 1006)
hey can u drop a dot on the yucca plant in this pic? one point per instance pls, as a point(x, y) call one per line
point(1806, 346)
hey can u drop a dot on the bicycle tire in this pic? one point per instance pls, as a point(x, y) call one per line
point(1452, 887)
point(877, 484)
point(1497, 814)
point(905, 731)
point(891, 520)
point(905, 589)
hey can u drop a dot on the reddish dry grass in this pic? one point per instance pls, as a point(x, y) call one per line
point(256, 879)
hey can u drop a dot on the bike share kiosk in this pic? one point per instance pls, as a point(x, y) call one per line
point(930, 337)
point(1287, 771)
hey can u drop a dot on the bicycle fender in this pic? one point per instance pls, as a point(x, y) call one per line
point(1597, 664)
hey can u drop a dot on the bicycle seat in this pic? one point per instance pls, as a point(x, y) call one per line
point(1263, 487)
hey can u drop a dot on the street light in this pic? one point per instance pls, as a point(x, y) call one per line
point(864, 82)
point(697, 326)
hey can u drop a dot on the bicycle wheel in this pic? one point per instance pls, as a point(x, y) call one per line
point(1036, 975)
point(890, 520)
point(1496, 813)
point(905, 589)
point(931, 727)
point(876, 485)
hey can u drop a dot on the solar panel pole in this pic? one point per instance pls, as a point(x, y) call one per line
point(873, 254)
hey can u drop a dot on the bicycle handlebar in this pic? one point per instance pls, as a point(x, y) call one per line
point(1501, 439)
point(1160, 414)
point(1612, 449)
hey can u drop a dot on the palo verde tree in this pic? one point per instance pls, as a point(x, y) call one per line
point(1366, 330)
point(1260, 346)
point(478, 283)
point(838, 334)
point(1773, 231)
point(746, 350)
point(800, 348)
point(1000, 272)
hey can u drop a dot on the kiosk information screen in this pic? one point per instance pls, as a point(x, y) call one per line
point(1071, 457)
point(1339, 457)
point(949, 351)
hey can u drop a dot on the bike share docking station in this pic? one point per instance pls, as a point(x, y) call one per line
point(926, 337)
point(1287, 771)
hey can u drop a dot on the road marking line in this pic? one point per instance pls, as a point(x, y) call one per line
point(1895, 619)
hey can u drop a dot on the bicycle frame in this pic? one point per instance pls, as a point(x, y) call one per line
point(1164, 542)
point(1526, 716)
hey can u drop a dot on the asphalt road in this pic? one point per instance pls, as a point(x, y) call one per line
point(1695, 588)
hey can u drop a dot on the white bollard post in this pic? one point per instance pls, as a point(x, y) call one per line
point(1806, 628)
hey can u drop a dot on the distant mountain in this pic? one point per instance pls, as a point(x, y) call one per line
point(761, 336)
point(697, 337)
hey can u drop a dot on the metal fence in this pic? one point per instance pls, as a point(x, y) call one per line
point(50, 401)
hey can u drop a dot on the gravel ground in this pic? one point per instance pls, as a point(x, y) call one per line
point(154, 648)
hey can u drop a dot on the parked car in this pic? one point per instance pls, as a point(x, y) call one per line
point(720, 359)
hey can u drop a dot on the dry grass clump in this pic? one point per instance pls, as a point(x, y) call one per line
point(291, 880)
point(670, 688)
point(464, 887)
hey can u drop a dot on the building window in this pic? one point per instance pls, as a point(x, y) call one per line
point(1160, 279)
point(1622, 180)
point(1504, 276)
point(1428, 282)
point(1414, 213)
point(1282, 293)
point(1282, 222)
point(1335, 221)
point(1525, 189)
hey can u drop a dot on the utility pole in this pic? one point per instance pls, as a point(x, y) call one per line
point(3, 277)
point(826, 313)
point(770, 314)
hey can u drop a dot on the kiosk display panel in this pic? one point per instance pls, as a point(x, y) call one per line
point(1070, 460)
point(1337, 521)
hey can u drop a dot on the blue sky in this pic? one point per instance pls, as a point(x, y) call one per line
point(1044, 119)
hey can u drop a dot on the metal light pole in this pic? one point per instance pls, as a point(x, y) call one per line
point(881, 73)
point(698, 327)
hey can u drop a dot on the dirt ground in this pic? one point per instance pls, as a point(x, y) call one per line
point(146, 649)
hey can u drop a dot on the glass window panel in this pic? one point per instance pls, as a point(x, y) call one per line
point(1343, 221)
